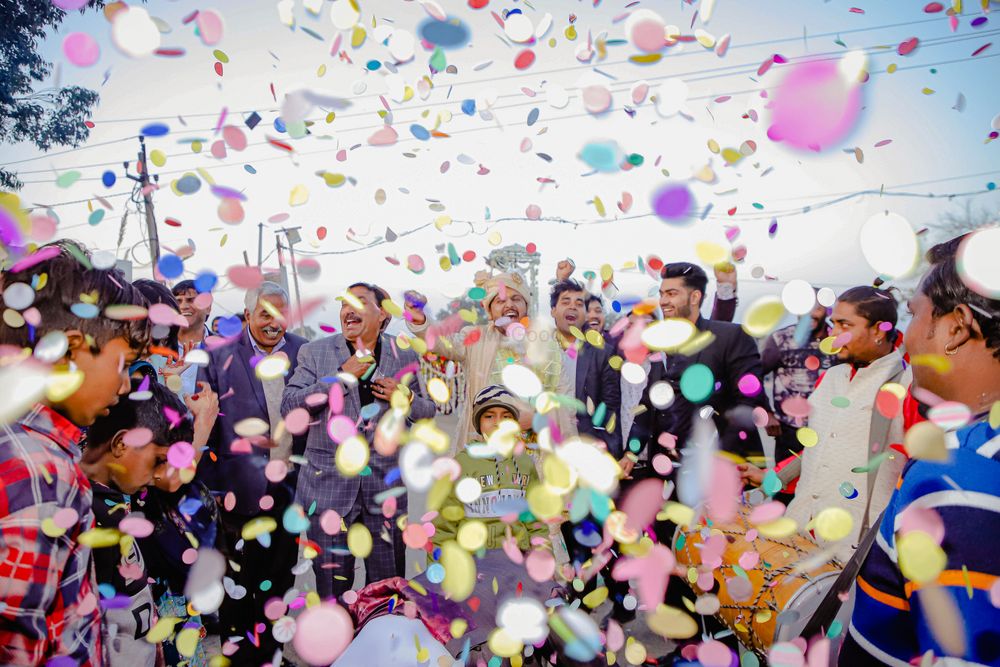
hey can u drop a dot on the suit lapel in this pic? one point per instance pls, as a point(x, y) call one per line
point(341, 354)
point(583, 359)
point(246, 353)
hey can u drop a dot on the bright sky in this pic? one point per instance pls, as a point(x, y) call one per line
point(935, 147)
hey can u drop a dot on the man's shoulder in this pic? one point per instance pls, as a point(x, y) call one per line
point(33, 469)
point(295, 340)
point(321, 344)
point(725, 331)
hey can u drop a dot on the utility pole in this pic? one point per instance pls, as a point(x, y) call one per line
point(260, 245)
point(292, 237)
point(143, 180)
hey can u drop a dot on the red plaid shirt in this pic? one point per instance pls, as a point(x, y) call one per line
point(48, 603)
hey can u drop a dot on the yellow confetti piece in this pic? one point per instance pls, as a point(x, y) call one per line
point(731, 155)
point(472, 535)
point(50, 528)
point(645, 58)
point(352, 456)
point(921, 559)
point(927, 91)
point(762, 616)
point(779, 528)
point(995, 415)
point(925, 440)
point(459, 571)
point(595, 338)
point(97, 538)
point(599, 205)
point(891, 69)
point(763, 316)
point(62, 385)
point(359, 540)
point(833, 523)
point(680, 514)
point(418, 587)
point(672, 623)
point(321, 72)
point(711, 253)
point(442, 221)
point(332, 180)
point(358, 36)
point(503, 644)
point(187, 641)
point(162, 629)
point(222, 241)
point(196, 147)
point(298, 196)
point(258, 526)
point(807, 437)
point(543, 503)
point(940, 363)
point(596, 597)
point(635, 652)
point(467, 315)
point(494, 239)
point(438, 390)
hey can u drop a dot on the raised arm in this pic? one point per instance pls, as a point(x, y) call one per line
point(724, 306)
point(419, 325)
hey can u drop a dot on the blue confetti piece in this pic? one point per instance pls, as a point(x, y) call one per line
point(373, 65)
point(249, 169)
point(279, 125)
point(85, 311)
point(392, 477)
point(205, 281)
point(369, 411)
point(420, 132)
point(230, 326)
point(435, 573)
point(532, 116)
point(189, 506)
point(155, 130)
point(108, 178)
point(95, 217)
point(469, 107)
point(170, 266)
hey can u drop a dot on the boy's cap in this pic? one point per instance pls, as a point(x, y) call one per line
point(493, 396)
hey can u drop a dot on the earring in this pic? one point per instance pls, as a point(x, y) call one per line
point(950, 353)
point(879, 341)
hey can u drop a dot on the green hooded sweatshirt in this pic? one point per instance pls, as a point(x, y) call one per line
point(501, 479)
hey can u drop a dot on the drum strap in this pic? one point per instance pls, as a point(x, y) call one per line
point(878, 442)
point(827, 610)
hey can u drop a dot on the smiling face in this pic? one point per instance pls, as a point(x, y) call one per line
point(867, 342)
point(364, 323)
point(187, 308)
point(265, 328)
point(678, 300)
point(511, 305)
point(595, 316)
point(105, 378)
point(569, 310)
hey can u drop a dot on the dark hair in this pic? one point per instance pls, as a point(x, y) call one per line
point(69, 274)
point(593, 298)
point(380, 296)
point(562, 286)
point(875, 305)
point(183, 286)
point(129, 413)
point(693, 275)
point(159, 293)
point(943, 285)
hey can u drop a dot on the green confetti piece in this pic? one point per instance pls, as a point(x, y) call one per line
point(438, 60)
point(840, 402)
point(68, 178)
point(477, 294)
point(95, 217)
point(220, 56)
point(873, 463)
point(771, 483)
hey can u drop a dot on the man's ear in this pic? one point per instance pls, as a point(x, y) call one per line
point(962, 326)
point(118, 445)
point(701, 297)
point(246, 314)
point(77, 342)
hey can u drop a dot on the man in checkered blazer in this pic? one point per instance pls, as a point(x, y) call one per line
point(344, 414)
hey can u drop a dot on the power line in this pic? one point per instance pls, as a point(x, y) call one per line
point(672, 56)
point(527, 103)
point(721, 70)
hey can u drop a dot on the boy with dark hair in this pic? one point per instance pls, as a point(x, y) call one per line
point(75, 322)
point(182, 376)
point(119, 467)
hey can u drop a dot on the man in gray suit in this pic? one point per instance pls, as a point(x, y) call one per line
point(375, 370)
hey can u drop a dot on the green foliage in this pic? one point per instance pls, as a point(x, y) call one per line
point(46, 117)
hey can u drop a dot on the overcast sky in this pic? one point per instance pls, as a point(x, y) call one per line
point(935, 147)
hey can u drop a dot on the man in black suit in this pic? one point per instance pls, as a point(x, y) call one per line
point(730, 356)
point(248, 372)
point(594, 381)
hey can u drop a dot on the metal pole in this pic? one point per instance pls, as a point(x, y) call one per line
point(295, 278)
point(154, 237)
point(260, 245)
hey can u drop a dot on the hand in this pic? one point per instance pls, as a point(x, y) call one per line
point(725, 272)
point(355, 366)
point(750, 474)
point(204, 406)
point(564, 269)
point(773, 426)
point(384, 388)
point(414, 303)
point(178, 366)
point(626, 464)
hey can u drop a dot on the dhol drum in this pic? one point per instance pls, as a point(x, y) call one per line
point(768, 588)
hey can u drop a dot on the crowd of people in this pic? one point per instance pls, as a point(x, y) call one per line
point(163, 483)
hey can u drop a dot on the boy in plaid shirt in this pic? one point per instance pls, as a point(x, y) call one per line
point(48, 600)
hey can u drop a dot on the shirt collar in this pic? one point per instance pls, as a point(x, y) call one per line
point(256, 347)
point(49, 423)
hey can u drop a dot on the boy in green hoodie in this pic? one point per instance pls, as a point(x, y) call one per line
point(502, 472)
